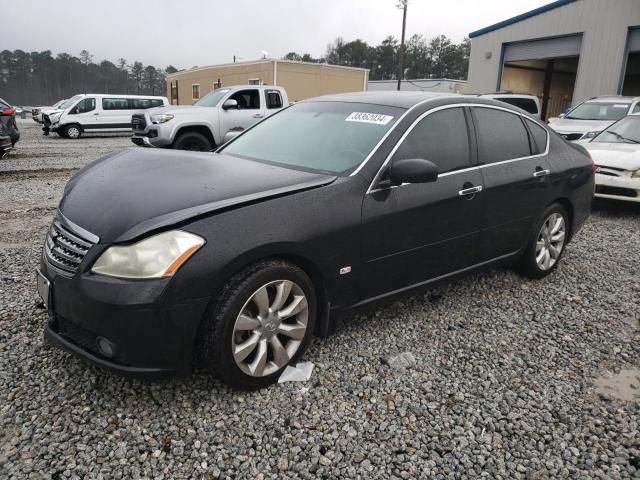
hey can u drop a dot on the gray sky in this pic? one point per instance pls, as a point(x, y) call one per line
point(204, 32)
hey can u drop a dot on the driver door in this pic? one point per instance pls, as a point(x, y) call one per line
point(414, 233)
point(250, 110)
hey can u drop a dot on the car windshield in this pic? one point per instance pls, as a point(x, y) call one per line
point(626, 130)
point(327, 137)
point(212, 99)
point(68, 103)
point(599, 111)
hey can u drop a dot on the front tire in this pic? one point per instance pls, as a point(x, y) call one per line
point(262, 321)
point(193, 141)
point(72, 131)
point(547, 243)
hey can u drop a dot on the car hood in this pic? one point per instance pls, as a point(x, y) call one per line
point(567, 125)
point(616, 155)
point(177, 109)
point(129, 193)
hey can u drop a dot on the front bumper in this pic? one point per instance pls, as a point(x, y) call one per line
point(149, 336)
point(621, 187)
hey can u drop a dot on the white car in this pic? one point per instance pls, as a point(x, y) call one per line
point(616, 153)
point(593, 116)
point(99, 113)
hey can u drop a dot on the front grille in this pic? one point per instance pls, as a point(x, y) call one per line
point(618, 191)
point(572, 136)
point(138, 121)
point(78, 335)
point(65, 250)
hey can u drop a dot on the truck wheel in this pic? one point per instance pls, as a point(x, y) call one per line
point(192, 141)
point(72, 131)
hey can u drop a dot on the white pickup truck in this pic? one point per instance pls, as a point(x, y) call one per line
point(214, 119)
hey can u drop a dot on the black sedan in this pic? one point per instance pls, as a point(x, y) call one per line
point(159, 261)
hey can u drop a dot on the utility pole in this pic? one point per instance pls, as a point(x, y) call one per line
point(403, 6)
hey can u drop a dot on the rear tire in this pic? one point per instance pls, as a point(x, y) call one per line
point(261, 322)
point(72, 131)
point(192, 141)
point(546, 244)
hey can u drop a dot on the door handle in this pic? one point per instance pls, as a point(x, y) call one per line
point(258, 115)
point(96, 113)
point(541, 173)
point(470, 191)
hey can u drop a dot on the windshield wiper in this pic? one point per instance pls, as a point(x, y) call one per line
point(622, 137)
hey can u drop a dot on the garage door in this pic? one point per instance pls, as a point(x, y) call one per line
point(634, 40)
point(547, 48)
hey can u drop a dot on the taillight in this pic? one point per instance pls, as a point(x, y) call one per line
point(9, 111)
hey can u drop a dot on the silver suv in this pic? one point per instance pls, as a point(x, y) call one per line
point(213, 120)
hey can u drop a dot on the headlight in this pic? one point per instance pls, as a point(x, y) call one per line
point(589, 135)
point(635, 174)
point(55, 118)
point(161, 118)
point(154, 257)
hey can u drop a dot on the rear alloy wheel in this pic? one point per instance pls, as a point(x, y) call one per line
point(72, 131)
point(545, 249)
point(261, 322)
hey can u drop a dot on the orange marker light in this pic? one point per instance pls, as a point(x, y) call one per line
point(175, 265)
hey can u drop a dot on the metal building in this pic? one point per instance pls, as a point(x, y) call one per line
point(300, 79)
point(564, 52)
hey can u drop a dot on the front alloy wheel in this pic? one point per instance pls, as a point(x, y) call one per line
point(260, 322)
point(270, 328)
point(72, 131)
point(550, 241)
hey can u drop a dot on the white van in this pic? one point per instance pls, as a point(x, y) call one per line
point(98, 113)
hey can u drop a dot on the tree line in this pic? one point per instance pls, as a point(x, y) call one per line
point(438, 57)
point(39, 78)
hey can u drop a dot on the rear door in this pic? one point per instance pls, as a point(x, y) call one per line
point(250, 110)
point(116, 114)
point(516, 176)
point(417, 232)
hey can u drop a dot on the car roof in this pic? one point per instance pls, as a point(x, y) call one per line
point(507, 95)
point(386, 98)
point(613, 98)
point(110, 95)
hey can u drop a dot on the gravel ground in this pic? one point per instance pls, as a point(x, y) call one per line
point(507, 378)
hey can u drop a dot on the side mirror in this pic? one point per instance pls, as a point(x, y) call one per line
point(230, 104)
point(413, 170)
point(562, 115)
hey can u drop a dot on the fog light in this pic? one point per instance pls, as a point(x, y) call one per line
point(105, 347)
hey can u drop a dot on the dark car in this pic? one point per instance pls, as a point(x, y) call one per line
point(5, 143)
point(159, 261)
point(8, 121)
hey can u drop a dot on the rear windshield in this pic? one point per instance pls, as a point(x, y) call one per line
point(599, 111)
point(327, 137)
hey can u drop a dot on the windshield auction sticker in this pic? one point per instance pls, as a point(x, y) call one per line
point(374, 118)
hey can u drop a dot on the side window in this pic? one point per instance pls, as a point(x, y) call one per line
point(156, 102)
point(143, 103)
point(115, 104)
point(441, 138)
point(273, 99)
point(247, 99)
point(501, 135)
point(85, 105)
point(539, 136)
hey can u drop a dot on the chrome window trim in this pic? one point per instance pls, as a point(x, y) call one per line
point(462, 170)
point(384, 137)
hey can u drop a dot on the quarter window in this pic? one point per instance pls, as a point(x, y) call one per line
point(441, 138)
point(195, 92)
point(538, 137)
point(247, 99)
point(85, 105)
point(501, 135)
point(273, 99)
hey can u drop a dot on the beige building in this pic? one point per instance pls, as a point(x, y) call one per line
point(301, 80)
point(564, 52)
